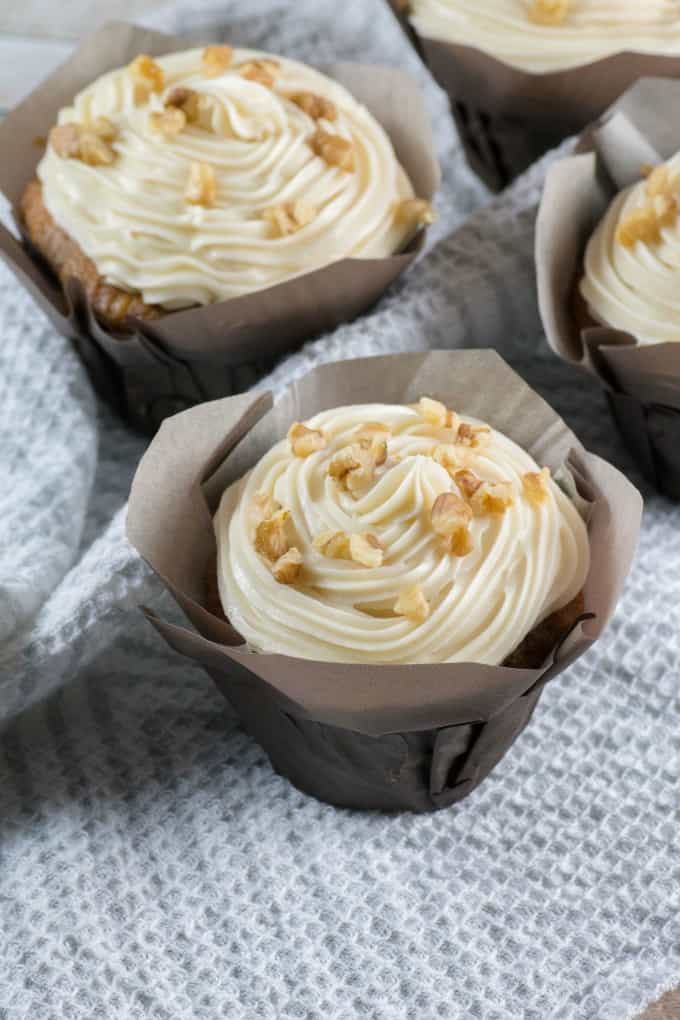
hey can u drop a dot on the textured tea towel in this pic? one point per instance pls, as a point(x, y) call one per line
point(153, 866)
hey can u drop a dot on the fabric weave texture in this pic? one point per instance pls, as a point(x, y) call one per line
point(152, 865)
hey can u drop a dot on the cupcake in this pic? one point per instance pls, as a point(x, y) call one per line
point(382, 588)
point(607, 261)
point(524, 74)
point(388, 534)
point(188, 201)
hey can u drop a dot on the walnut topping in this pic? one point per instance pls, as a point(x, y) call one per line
point(288, 217)
point(287, 568)
point(169, 122)
point(271, 539)
point(548, 12)
point(304, 441)
point(73, 141)
point(334, 149)
point(472, 435)
point(491, 498)
point(373, 436)
point(264, 72)
point(366, 550)
point(353, 466)
point(446, 456)
point(264, 506)
point(413, 604)
point(467, 482)
point(645, 223)
point(104, 128)
point(658, 181)
point(201, 187)
point(315, 106)
point(146, 75)
point(333, 544)
point(449, 513)
point(536, 486)
point(215, 60)
point(186, 100)
point(433, 411)
point(415, 211)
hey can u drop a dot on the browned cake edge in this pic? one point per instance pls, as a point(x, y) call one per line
point(110, 304)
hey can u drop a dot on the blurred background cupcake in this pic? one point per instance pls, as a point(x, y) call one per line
point(522, 75)
point(189, 202)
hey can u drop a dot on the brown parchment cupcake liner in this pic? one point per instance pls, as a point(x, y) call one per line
point(162, 366)
point(642, 381)
point(507, 118)
point(416, 737)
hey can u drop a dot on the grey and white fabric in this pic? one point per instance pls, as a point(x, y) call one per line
point(151, 863)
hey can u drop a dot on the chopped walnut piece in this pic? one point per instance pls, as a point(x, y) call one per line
point(373, 436)
point(287, 568)
point(412, 604)
point(433, 411)
point(201, 187)
point(186, 100)
point(353, 466)
point(94, 150)
point(467, 482)
point(169, 122)
point(146, 75)
point(472, 435)
point(104, 128)
point(446, 456)
point(304, 441)
point(645, 223)
point(215, 60)
point(492, 498)
point(271, 539)
point(334, 149)
point(658, 181)
point(314, 106)
point(366, 550)
point(536, 486)
point(450, 517)
point(333, 544)
point(548, 12)
point(264, 72)
point(289, 217)
point(65, 140)
point(264, 506)
point(417, 211)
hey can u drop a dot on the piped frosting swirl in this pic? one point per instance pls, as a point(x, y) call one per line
point(207, 174)
point(441, 542)
point(552, 35)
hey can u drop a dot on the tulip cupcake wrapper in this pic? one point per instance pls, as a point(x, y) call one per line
point(642, 381)
point(165, 365)
point(507, 118)
point(411, 737)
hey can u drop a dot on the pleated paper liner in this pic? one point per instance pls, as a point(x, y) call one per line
point(162, 366)
point(507, 118)
point(642, 381)
point(415, 737)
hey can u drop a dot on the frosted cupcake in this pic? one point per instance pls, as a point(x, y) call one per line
point(209, 174)
point(523, 74)
point(392, 534)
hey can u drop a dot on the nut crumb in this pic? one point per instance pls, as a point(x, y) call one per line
point(104, 128)
point(416, 211)
point(536, 486)
point(264, 506)
point(65, 140)
point(169, 122)
point(264, 72)
point(288, 567)
point(333, 544)
point(433, 412)
point(467, 481)
point(366, 550)
point(305, 441)
point(492, 498)
point(147, 76)
point(201, 187)
point(645, 223)
point(94, 150)
point(288, 217)
point(548, 12)
point(315, 106)
point(215, 60)
point(412, 604)
point(271, 539)
point(353, 466)
point(334, 149)
point(472, 435)
point(450, 518)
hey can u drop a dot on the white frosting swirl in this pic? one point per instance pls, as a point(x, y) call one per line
point(591, 30)
point(635, 288)
point(133, 220)
point(525, 563)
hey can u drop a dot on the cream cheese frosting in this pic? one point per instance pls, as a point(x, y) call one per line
point(632, 261)
point(408, 564)
point(242, 196)
point(552, 35)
